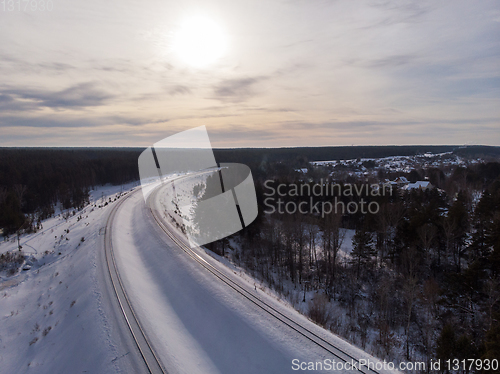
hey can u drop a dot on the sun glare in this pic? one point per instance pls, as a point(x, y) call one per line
point(199, 42)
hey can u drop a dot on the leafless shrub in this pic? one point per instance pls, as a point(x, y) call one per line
point(46, 331)
point(11, 261)
point(319, 310)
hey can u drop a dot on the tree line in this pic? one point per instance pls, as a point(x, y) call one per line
point(34, 180)
point(423, 275)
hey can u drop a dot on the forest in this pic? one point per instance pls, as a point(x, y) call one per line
point(34, 180)
point(423, 279)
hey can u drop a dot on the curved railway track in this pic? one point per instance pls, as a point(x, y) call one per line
point(148, 355)
point(295, 326)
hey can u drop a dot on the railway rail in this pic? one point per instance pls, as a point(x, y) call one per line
point(148, 354)
point(289, 322)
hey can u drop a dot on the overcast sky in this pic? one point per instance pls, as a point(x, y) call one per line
point(292, 73)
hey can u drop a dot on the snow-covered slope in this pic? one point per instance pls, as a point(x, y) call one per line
point(198, 324)
point(55, 317)
point(60, 317)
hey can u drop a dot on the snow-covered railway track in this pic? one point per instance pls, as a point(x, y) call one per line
point(146, 350)
point(289, 322)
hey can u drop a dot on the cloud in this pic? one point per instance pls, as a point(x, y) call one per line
point(408, 11)
point(241, 89)
point(8, 62)
point(236, 90)
point(235, 134)
point(5, 99)
point(78, 96)
point(374, 69)
point(179, 90)
point(267, 109)
point(340, 125)
point(392, 61)
point(298, 43)
point(382, 128)
point(49, 122)
point(70, 121)
point(409, 61)
point(9, 103)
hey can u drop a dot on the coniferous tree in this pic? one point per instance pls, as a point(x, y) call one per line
point(362, 249)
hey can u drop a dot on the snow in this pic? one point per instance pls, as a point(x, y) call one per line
point(197, 323)
point(400, 164)
point(346, 247)
point(302, 170)
point(418, 184)
point(103, 193)
point(54, 315)
point(189, 317)
point(57, 317)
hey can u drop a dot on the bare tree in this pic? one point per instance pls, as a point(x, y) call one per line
point(332, 240)
point(430, 295)
point(313, 254)
point(3, 194)
point(20, 190)
point(300, 241)
point(409, 291)
point(449, 233)
point(383, 228)
point(426, 235)
point(396, 212)
point(492, 288)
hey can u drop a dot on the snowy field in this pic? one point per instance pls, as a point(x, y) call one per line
point(53, 315)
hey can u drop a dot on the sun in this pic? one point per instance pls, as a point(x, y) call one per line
point(199, 42)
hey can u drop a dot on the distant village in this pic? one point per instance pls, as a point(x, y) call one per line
point(404, 172)
point(403, 183)
point(400, 182)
